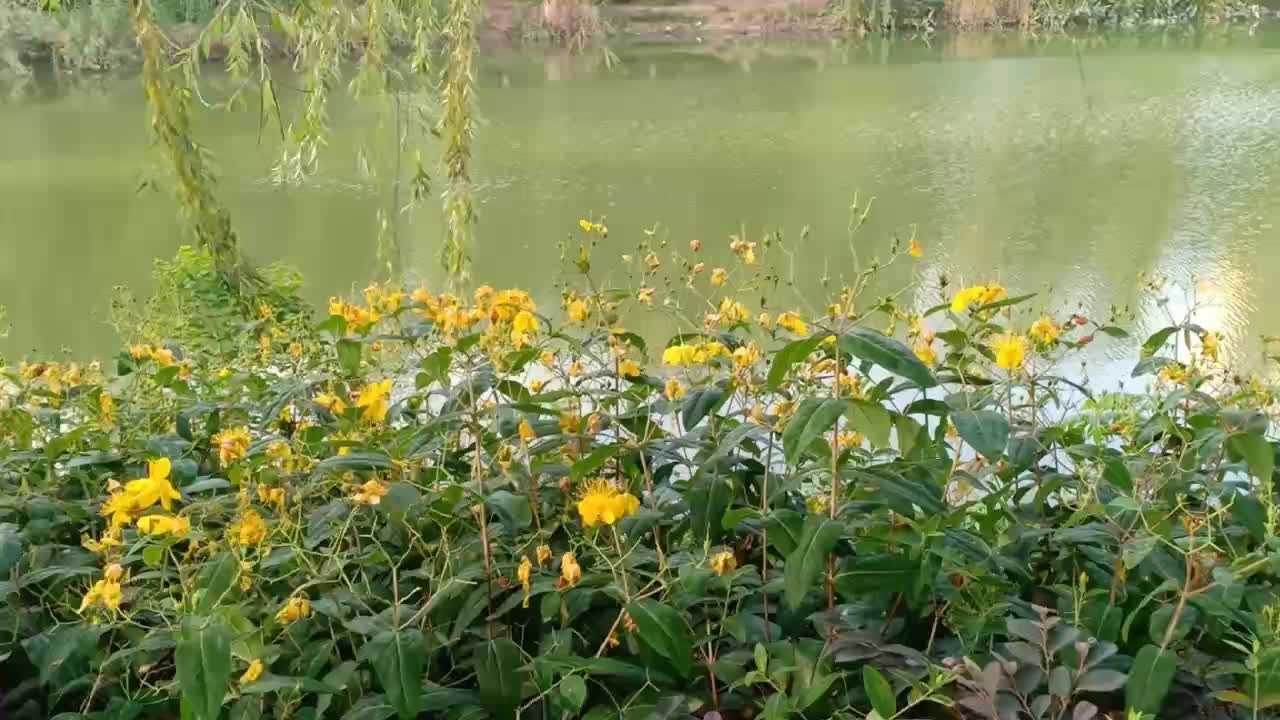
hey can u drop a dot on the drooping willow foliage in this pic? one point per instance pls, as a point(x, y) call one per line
point(385, 49)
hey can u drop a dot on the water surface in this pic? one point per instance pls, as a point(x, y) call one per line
point(1067, 163)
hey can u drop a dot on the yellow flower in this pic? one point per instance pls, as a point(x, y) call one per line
point(523, 574)
point(719, 276)
point(816, 504)
point(745, 356)
point(164, 357)
point(295, 350)
point(252, 674)
point(914, 249)
point(114, 572)
point(110, 539)
point(570, 571)
point(586, 225)
point(579, 311)
point(271, 496)
point(105, 593)
point(147, 491)
point(723, 562)
point(164, 525)
point(1209, 344)
point(294, 610)
point(1011, 351)
point(925, 353)
point(602, 503)
point(645, 296)
point(330, 402)
point(977, 295)
point(792, 322)
point(746, 251)
point(233, 445)
point(523, 326)
point(251, 529)
point(683, 355)
point(1175, 373)
point(846, 440)
point(629, 368)
point(140, 352)
point(106, 407)
point(373, 401)
point(544, 554)
point(713, 349)
point(370, 493)
point(674, 389)
point(732, 312)
point(1045, 331)
point(652, 262)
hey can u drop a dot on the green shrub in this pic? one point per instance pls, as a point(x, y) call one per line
point(427, 505)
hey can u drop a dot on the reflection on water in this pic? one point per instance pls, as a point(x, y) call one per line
point(1071, 164)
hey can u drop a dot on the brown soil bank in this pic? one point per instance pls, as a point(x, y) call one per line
point(658, 18)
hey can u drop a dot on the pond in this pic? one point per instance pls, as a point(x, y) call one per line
point(1055, 162)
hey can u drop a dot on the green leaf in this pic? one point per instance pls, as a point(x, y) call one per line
point(512, 509)
point(1157, 340)
point(708, 499)
point(203, 659)
point(912, 492)
point(1149, 680)
point(872, 420)
point(814, 417)
point(789, 355)
point(498, 675)
point(398, 659)
point(1256, 451)
point(879, 692)
point(785, 528)
point(215, 582)
point(573, 692)
point(663, 630)
point(805, 563)
point(339, 464)
point(986, 431)
point(698, 404)
point(348, 355)
point(889, 353)
point(10, 547)
point(435, 367)
point(588, 465)
point(1101, 681)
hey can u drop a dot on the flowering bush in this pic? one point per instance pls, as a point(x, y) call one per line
point(438, 505)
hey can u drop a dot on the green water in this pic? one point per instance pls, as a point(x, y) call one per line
point(1035, 162)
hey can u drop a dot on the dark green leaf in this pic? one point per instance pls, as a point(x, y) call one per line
point(498, 675)
point(215, 582)
point(1256, 451)
point(872, 420)
point(806, 562)
point(708, 499)
point(986, 431)
point(512, 509)
point(573, 692)
point(203, 659)
point(879, 692)
point(698, 404)
point(663, 630)
point(1101, 681)
point(814, 417)
point(789, 355)
point(889, 353)
point(1157, 340)
point(348, 355)
point(397, 658)
point(1149, 680)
